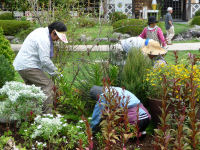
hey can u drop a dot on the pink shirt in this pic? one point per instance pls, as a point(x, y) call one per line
point(159, 33)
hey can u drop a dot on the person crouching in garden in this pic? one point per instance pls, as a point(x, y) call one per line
point(153, 32)
point(156, 54)
point(97, 94)
point(33, 59)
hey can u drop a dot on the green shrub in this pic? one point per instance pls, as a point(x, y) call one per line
point(196, 20)
point(5, 48)
point(11, 27)
point(116, 16)
point(86, 22)
point(6, 16)
point(197, 13)
point(129, 26)
point(7, 72)
point(134, 72)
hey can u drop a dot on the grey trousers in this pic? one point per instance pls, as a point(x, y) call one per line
point(40, 79)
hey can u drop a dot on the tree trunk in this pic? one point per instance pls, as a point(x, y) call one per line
point(189, 9)
point(133, 8)
point(105, 7)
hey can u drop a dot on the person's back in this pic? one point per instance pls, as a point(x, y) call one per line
point(96, 93)
point(152, 31)
point(133, 42)
point(28, 56)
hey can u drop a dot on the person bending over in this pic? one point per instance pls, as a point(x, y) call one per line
point(96, 93)
point(33, 59)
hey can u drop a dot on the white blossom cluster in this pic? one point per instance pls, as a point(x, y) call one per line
point(14, 90)
point(48, 125)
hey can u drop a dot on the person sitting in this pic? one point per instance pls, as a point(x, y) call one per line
point(96, 93)
point(155, 53)
point(153, 32)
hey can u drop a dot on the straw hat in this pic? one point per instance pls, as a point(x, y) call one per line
point(153, 48)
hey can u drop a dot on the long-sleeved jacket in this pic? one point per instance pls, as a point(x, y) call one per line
point(125, 95)
point(35, 52)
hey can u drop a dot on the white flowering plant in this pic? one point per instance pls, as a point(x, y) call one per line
point(55, 130)
point(19, 101)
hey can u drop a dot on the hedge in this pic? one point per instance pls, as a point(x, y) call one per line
point(116, 16)
point(5, 48)
point(196, 21)
point(130, 26)
point(6, 16)
point(7, 72)
point(12, 27)
point(86, 22)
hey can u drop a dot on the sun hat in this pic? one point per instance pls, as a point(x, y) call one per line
point(169, 8)
point(153, 48)
point(152, 19)
point(62, 36)
point(95, 91)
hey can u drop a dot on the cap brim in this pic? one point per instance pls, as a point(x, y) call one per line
point(62, 36)
point(147, 51)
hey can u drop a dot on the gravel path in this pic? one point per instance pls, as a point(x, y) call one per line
point(104, 48)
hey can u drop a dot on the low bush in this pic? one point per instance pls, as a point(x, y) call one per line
point(196, 20)
point(48, 129)
point(7, 72)
point(134, 73)
point(116, 16)
point(12, 27)
point(5, 48)
point(20, 102)
point(6, 16)
point(197, 13)
point(86, 22)
point(129, 26)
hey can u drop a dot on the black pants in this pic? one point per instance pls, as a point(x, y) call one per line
point(143, 124)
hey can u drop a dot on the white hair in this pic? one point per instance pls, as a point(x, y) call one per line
point(169, 8)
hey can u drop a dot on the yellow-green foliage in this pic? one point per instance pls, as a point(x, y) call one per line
point(6, 16)
point(180, 72)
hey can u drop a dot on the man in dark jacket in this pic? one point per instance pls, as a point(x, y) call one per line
point(169, 25)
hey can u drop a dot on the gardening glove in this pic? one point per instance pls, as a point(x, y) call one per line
point(60, 76)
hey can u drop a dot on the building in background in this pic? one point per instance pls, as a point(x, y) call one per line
point(183, 9)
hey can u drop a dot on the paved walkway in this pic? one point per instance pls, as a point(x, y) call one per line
point(104, 48)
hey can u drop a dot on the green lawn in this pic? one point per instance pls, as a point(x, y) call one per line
point(182, 56)
point(179, 27)
point(107, 30)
